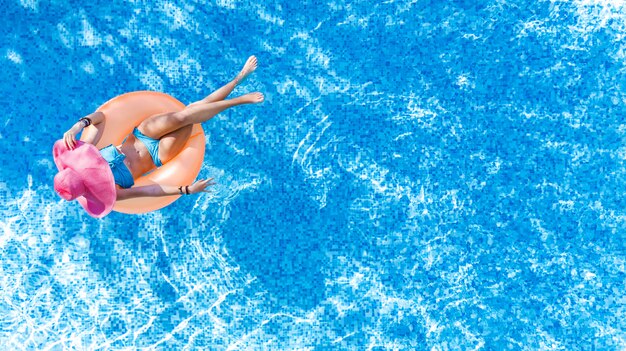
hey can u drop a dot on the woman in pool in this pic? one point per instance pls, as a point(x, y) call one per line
point(152, 143)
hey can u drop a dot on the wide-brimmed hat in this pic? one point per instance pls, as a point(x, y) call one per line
point(84, 175)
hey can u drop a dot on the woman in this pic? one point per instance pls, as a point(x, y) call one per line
point(154, 142)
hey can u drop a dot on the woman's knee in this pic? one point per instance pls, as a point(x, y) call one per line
point(193, 104)
point(182, 117)
point(159, 125)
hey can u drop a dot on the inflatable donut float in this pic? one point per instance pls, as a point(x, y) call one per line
point(122, 114)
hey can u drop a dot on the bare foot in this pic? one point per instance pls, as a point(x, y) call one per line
point(253, 98)
point(248, 68)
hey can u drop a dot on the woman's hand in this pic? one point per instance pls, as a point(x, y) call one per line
point(70, 137)
point(200, 185)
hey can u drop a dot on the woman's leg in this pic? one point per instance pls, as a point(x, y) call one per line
point(158, 125)
point(172, 143)
point(223, 92)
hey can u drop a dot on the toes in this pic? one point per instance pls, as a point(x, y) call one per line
point(252, 62)
point(256, 97)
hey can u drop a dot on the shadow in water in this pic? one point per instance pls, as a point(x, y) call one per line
point(280, 235)
point(112, 262)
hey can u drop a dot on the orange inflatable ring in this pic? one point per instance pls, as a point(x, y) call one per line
point(122, 114)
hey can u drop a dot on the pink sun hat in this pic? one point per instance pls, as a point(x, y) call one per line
point(84, 175)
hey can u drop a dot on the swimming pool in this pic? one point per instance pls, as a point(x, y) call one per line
point(423, 175)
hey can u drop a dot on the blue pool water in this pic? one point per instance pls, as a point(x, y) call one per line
point(423, 175)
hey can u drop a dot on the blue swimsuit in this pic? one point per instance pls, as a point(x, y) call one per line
point(121, 173)
point(151, 144)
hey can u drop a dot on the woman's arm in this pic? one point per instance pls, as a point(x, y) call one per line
point(93, 134)
point(155, 190)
